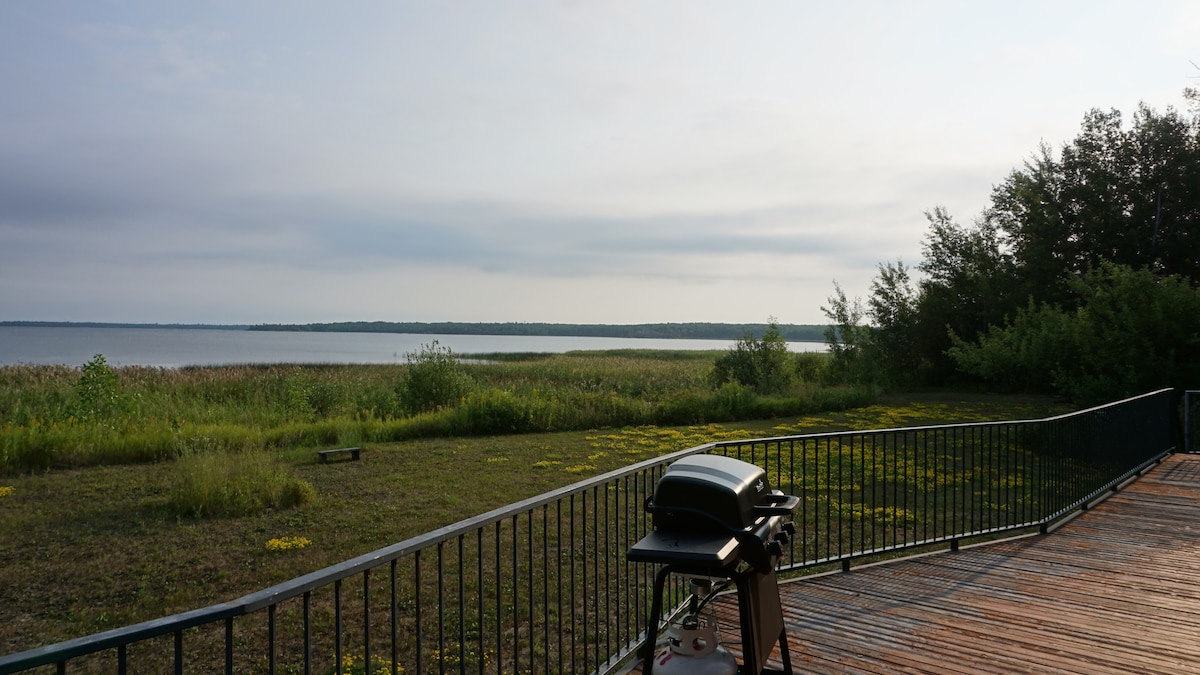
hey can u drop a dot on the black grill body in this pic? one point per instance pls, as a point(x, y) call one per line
point(707, 493)
point(719, 517)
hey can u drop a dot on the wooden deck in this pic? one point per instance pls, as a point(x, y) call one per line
point(1116, 590)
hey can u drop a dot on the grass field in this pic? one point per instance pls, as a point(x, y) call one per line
point(96, 547)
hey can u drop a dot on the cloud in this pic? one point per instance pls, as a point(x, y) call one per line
point(520, 162)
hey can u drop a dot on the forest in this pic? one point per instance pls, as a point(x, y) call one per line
point(1078, 279)
point(671, 331)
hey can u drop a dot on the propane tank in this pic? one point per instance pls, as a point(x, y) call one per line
point(693, 649)
point(692, 645)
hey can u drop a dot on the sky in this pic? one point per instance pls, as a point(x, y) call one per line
point(491, 160)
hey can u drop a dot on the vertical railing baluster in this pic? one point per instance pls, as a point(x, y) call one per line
point(516, 598)
point(122, 660)
point(574, 621)
point(462, 608)
point(271, 639)
point(841, 464)
point(924, 485)
point(498, 571)
point(804, 499)
point(594, 636)
point(980, 466)
point(441, 606)
point(606, 549)
point(393, 614)
point(229, 646)
point(558, 578)
point(545, 624)
point(931, 473)
point(367, 621)
point(419, 628)
point(337, 626)
point(480, 580)
point(625, 570)
point(529, 580)
point(828, 497)
point(178, 652)
point(866, 495)
point(873, 502)
point(307, 632)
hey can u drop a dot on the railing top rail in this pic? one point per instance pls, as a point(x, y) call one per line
point(931, 427)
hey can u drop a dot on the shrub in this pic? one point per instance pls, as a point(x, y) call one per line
point(732, 402)
point(98, 391)
point(1133, 332)
point(497, 412)
point(763, 365)
point(810, 367)
point(434, 379)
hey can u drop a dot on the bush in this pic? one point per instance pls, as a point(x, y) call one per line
point(811, 367)
point(497, 412)
point(1132, 333)
point(763, 365)
point(434, 379)
point(98, 391)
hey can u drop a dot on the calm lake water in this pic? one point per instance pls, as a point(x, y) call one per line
point(174, 347)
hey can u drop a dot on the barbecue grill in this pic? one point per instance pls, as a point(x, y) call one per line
point(718, 517)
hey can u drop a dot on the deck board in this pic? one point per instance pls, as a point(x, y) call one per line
point(1116, 590)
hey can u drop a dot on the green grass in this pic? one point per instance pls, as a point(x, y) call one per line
point(91, 548)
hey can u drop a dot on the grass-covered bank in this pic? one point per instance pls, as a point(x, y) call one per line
point(58, 417)
point(85, 549)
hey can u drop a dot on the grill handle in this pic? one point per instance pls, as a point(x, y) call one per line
point(781, 505)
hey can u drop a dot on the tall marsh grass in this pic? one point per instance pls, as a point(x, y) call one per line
point(218, 483)
point(149, 413)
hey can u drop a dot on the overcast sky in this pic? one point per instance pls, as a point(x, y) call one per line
point(578, 161)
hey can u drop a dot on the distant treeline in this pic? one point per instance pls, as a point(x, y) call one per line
point(678, 331)
point(103, 324)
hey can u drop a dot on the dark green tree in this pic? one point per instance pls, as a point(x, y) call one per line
point(968, 285)
point(1124, 195)
point(894, 338)
point(1118, 194)
point(846, 338)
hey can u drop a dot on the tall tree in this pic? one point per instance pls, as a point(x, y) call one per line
point(969, 284)
point(892, 308)
point(1125, 195)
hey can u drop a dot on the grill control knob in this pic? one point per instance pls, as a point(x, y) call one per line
point(782, 538)
point(789, 527)
point(774, 548)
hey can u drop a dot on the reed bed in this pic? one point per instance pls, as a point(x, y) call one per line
point(54, 417)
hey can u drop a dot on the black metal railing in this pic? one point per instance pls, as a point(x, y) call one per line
point(1191, 421)
point(543, 586)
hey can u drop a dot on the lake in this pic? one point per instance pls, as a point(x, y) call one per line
point(177, 347)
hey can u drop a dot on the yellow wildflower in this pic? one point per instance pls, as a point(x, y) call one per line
point(287, 543)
